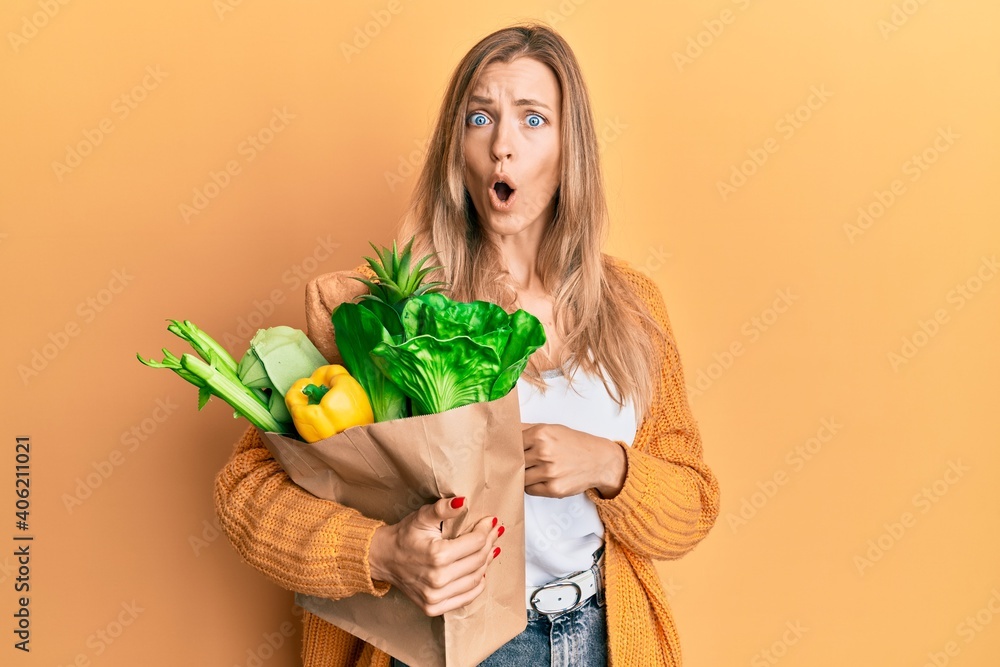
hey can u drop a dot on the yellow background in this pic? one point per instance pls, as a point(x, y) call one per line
point(94, 257)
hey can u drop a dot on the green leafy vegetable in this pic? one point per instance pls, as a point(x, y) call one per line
point(458, 353)
point(215, 374)
point(276, 358)
point(526, 336)
point(358, 330)
point(439, 374)
point(406, 340)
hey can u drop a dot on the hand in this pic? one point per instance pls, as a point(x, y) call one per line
point(436, 573)
point(561, 462)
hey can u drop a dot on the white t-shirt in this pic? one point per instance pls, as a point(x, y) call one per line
point(562, 534)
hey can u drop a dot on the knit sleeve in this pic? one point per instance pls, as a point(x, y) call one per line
point(300, 542)
point(323, 294)
point(670, 498)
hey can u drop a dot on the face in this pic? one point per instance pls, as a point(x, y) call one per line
point(512, 135)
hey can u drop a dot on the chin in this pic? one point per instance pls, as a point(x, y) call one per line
point(506, 225)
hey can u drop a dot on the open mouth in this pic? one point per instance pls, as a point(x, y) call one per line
point(503, 190)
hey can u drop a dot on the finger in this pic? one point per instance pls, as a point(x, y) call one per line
point(470, 571)
point(461, 586)
point(540, 489)
point(531, 477)
point(530, 459)
point(459, 600)
point(538, 471)
point(475, 541)
point(466, 586)
point(432, 515)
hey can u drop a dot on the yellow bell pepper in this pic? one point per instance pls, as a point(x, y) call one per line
point(327, 402)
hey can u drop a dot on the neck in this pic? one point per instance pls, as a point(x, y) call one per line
point(520, 255)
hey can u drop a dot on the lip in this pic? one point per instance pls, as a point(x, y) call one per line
point(506, 178)
point(501, 205)
point(495, 200)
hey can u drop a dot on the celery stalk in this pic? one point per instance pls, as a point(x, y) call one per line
point(232, 392)
point(204, 345)
point(215, 374)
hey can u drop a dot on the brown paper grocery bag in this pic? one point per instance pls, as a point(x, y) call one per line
point(387, 470)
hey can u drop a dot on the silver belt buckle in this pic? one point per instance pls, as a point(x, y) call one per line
point(559, 583)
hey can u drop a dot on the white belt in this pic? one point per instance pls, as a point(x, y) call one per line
point(566, 594)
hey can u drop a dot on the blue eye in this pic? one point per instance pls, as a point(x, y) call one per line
point(534, 120)
point(478, 118)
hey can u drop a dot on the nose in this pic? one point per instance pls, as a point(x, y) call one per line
point(502, 146)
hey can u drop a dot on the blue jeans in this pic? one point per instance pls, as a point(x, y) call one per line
point(574, 639)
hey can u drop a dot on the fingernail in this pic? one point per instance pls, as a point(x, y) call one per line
point(496, 552)
point(494, 522)
point(500, 532)
point(457, 502)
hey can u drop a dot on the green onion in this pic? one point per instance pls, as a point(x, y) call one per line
point(215, 374)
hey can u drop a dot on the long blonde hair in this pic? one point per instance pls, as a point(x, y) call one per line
point(596, 312)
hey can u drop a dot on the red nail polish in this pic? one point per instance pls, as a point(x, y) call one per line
point(457, 502)
point(500, 532)
point(494, 522)
point(496, 552)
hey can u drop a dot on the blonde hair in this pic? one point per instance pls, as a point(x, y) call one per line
point(596, 312)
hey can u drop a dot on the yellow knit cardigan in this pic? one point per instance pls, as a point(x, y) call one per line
point(669, 502)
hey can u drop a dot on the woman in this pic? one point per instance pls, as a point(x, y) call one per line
point(511, 201)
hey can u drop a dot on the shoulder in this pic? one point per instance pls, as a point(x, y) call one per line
point(645, 288)
point(324, 293)
point(328, 290)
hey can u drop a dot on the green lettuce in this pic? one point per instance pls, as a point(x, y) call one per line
point(358, 329)
point(455, 353)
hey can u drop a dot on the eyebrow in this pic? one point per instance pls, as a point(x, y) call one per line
point(523, 102)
